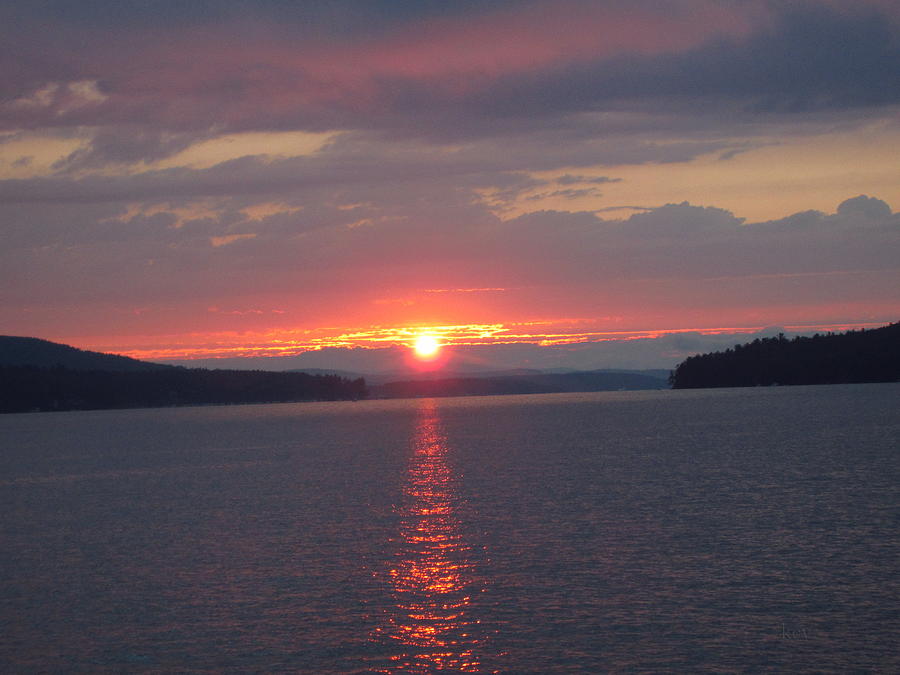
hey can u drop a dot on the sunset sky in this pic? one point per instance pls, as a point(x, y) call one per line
point(186, 179)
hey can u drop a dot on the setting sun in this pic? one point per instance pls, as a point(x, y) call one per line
point(426, 346)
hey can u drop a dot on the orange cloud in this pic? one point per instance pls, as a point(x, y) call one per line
point(292, 343)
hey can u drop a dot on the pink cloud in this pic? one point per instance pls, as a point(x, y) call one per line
point(238, 76)
point(541, 35)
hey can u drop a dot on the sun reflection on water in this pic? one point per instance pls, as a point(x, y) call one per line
point(433, 578)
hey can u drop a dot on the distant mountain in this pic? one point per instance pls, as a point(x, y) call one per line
point(486, 373)
point(537, 383)
point(857, 356)
point(325, 371)
point(413, 376)
point(661, 373)
point(29, 351)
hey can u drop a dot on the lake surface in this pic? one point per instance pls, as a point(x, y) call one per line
point(666, 531)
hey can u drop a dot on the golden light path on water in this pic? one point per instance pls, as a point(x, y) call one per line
point(433, 578)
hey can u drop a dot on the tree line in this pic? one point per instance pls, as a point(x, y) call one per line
point(855, 356)
point(33, 388)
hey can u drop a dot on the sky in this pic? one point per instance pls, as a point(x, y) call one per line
point(536, 183)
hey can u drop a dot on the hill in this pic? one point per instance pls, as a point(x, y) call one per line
point(856, 356)
point(29, 351)
point(37, 375)
point(536, 383)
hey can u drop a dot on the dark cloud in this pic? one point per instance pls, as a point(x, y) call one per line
point(812, 57)
point(870, 208)
point(335, 17)
point(426, 74)
point(127, 145)
point(566, 194)
point(569, 179)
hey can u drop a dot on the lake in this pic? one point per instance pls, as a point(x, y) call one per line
point(727, 530)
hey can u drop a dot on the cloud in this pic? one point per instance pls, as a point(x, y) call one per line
point(60, 97)
point(354, 162)
point(125, 145)
point(354, 242)
point(569, 179)
point(387, 363)
point(808, 57)
point(463, 138)
point(863, 206)
point(468, 72)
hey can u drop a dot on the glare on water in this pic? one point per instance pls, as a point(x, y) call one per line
point(433, 579)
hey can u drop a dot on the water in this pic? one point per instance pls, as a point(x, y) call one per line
point(673, 531)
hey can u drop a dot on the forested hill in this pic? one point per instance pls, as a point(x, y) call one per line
point(36, 375)
point(857, 356)
point(29, 351)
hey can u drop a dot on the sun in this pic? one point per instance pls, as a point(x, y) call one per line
point(426, 346)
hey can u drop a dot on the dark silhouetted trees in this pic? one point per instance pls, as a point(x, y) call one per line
point(30, 388)
point(856, 356)
point(37, 374)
